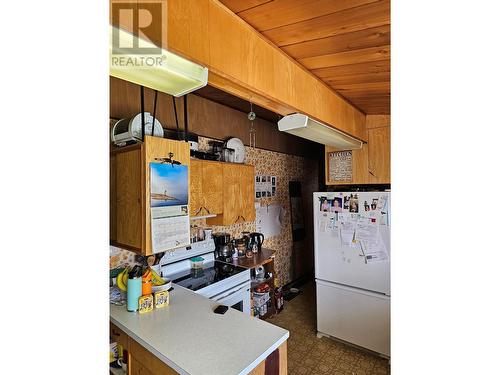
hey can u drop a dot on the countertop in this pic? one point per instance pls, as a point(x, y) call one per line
point(191, 339)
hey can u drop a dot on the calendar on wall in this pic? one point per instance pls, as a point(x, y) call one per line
point(169, 206)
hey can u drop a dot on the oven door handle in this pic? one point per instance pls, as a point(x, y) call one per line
point(231, 291)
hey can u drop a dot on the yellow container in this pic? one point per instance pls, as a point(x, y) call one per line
point(145, 304)
point(162, 298)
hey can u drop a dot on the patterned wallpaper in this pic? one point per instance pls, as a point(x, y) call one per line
point(286, 168)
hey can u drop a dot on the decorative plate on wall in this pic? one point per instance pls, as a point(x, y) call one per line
point(239, 149)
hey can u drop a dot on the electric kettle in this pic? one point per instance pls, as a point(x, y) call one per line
point(257, 238)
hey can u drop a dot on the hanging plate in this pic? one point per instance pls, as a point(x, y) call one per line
point(239, 149)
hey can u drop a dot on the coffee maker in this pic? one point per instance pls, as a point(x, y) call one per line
point(223, 248)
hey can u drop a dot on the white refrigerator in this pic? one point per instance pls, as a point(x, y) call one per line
point(352, 267)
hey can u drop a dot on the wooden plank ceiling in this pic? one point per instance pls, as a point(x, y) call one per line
point(346, 43)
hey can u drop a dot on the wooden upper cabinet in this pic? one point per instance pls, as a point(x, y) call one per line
point(379, 142)
point(205, 188)
point(247, 187)
point(212, 177)
point(371, 164)
point(130, 212)
point(196, 188)
point(238, 195)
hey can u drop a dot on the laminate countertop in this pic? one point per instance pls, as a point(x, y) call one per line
point(190, 338)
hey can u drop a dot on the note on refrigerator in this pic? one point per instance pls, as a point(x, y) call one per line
point(374, 251)
point(366, 231)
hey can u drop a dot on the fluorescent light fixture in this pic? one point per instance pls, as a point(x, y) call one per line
point(163, 71)
point(305, 127)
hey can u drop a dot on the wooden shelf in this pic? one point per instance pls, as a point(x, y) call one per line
point(262, 257)
point(257, 283)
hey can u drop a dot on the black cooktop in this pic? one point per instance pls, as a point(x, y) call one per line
point(211, 273)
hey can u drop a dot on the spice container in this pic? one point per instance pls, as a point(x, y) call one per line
point(197, 262)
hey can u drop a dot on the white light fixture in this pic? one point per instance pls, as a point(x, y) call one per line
point(305, 127)
point(163, 71)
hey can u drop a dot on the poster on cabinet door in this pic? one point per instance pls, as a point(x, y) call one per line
point(169, 206)
point(340, 166)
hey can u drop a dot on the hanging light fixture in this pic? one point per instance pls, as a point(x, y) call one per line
point(305, 127)
point(165, 71)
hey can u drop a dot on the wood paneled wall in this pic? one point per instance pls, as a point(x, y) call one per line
point(207, 118)
point(244, 63)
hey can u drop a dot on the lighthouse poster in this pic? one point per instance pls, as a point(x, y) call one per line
point(169, 191)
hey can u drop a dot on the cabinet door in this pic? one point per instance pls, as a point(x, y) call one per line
point(231, 193)
point(143, 362)
point(196, 188)
point(379, 155)
point(117, 335)
point(247, 193)
point(212, 177)
point(128, 209)
point(156, 148)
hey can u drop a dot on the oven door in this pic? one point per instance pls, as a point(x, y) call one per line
point(237, 298)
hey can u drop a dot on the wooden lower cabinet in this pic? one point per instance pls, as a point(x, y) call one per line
point(274, 364)
point(142, 362)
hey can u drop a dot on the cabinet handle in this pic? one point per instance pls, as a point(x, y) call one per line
point(238, 218)
point(197, 212)
point(243, 217)
point(115, 333)
point(206, 209)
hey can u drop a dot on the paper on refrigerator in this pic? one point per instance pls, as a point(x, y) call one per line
point(374, 251)
point(366, 231)
point(347, 229)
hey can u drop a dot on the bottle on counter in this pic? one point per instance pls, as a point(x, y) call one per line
point(134, 289)
point(147, 283)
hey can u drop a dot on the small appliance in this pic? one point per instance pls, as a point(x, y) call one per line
point(223, 247)
point(257, 238)
point(129, 130)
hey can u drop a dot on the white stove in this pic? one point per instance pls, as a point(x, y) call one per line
point(225, 283)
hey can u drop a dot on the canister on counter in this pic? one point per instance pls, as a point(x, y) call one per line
point(162, 299)
point(145, 304)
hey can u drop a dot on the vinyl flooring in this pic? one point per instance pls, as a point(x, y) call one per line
point(308, 354)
